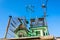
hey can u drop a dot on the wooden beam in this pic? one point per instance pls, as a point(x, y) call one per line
point(33, 38)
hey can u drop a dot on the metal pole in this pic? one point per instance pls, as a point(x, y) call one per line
point(44, 7)
point(8, 26)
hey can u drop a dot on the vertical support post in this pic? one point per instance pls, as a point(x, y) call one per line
point(8, 25)
point(41, 32)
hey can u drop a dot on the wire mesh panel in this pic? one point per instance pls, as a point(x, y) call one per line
point(15, 23)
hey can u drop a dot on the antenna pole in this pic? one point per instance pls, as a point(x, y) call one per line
point(44, 7)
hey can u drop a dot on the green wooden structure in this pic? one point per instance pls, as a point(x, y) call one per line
point(37, 28)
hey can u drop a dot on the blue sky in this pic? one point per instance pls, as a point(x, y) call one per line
point(18, 8)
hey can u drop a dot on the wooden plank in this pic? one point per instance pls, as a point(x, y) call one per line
point(33, 38)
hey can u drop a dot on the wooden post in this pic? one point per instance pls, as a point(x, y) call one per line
point(8, 25)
